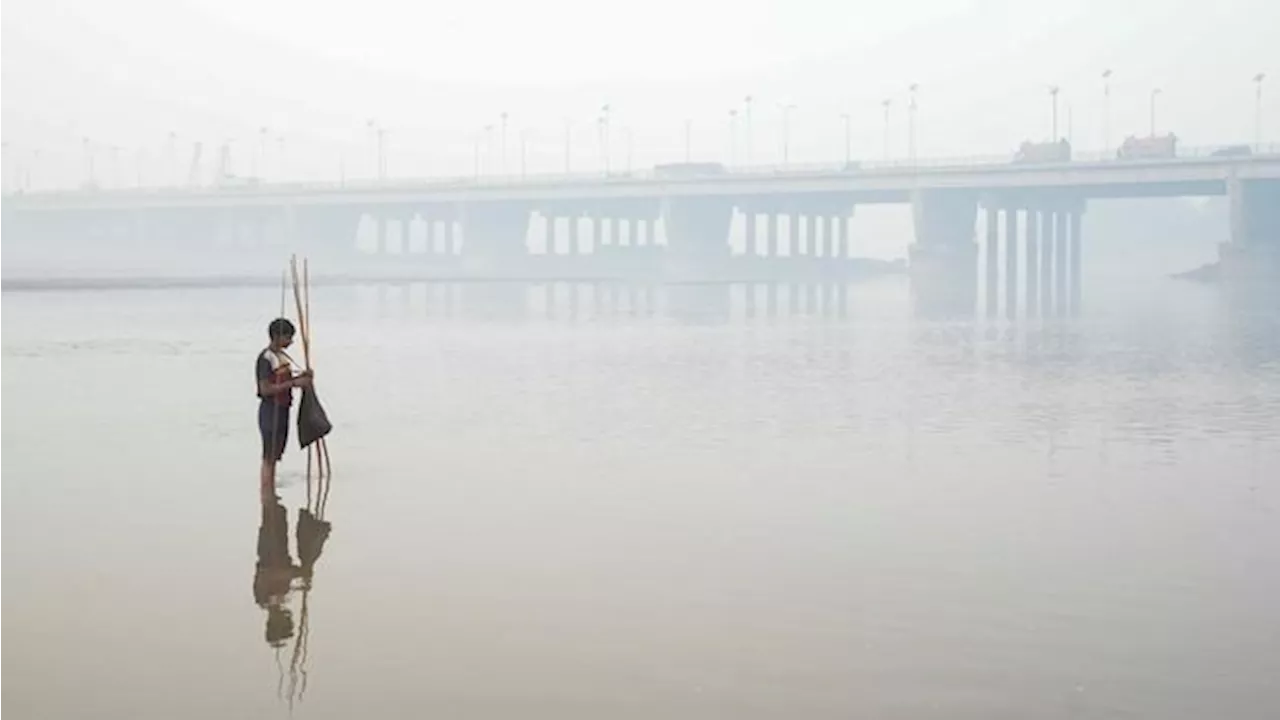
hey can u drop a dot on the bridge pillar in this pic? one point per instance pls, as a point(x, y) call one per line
point(1253, 254)
point(1060, 293)
point(1033, 262)
point(493, 234)
point(1011, 241)
point(839, 237)
point(771, 247)
point(697, 235)
point(943, 259)
point(749, 233)
point(992, 261)
point(1047, 255)
point(1075, 248)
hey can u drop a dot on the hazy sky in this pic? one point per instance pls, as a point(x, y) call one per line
point(128, 72)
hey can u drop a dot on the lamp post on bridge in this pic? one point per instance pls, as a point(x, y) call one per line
point(1257, 110)
point(568, 130)
point(1106, 111)
point(848, 138)
point(911, 122)
point(886, 103)
point(786, 132)
point(503, 116)
point(171, 153)
point(524, 146)
point(733, 138)
point(748, 100)
point(1053, 95)
point(1152, 109)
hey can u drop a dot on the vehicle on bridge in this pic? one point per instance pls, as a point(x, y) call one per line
point(1233, 151)
point(688, 169)
point(1148, 148)
point(1044, 152)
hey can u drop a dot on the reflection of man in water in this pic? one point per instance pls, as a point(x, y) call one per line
point(275, 572)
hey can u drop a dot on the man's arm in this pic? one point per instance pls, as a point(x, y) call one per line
point(267, 387)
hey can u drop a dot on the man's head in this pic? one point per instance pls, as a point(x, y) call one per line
point(281, 333)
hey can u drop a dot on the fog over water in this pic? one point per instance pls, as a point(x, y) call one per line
point(821, 496)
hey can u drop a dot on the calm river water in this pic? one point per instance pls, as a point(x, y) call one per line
point(573, 501)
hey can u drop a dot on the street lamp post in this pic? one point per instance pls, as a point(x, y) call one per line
point(1106, 110)
point(733, 138)
point(172, 157)
point(1152, 110)
point(626, 131)
point(604, 135)
point(748, 100)
point(524, 143)
point(848, 138)
point(886, 104)
point(1257, 110)
point(1053, 95)
point(911, 122)
point(504, 142)
point(567, 144)
point(786, 133)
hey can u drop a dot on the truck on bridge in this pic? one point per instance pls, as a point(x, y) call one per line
point(688, 169)
point(1043, 152)
point(1148, 148)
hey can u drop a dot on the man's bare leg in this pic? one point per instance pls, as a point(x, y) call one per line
point(267, 479)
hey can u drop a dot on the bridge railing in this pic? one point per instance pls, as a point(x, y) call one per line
point(896, 166)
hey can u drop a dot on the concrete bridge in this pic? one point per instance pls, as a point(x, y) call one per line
point(680, 225)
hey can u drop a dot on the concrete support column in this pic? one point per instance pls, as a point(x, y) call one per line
point(1061, 296)
point(1011, 262)
point(1047, 254)
point(993, 252)
point(839, 231)
point(1033, 262)
point(749, 249)
point(772, 241)
point(548, 234)
point(382, 224)
point(820, 232)
point(1076, 217)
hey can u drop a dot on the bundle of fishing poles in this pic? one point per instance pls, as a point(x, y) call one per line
point(313, 422)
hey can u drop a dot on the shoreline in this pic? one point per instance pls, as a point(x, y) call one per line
point(34, 284)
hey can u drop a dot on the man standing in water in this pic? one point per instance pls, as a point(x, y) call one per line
point(276, 382)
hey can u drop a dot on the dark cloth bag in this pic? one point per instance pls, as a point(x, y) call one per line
point(313, 421)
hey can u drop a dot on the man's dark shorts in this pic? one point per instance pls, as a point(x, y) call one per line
point(273, 423)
